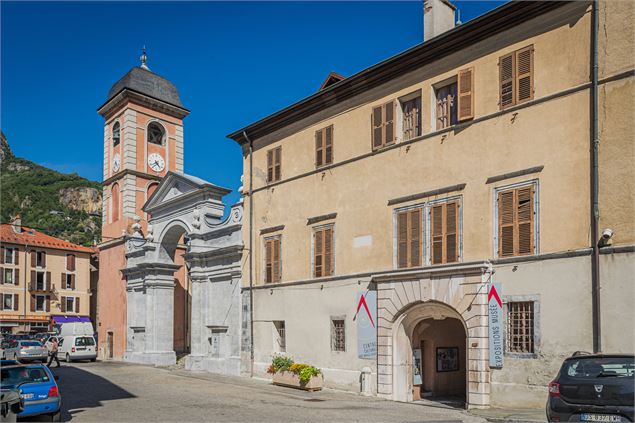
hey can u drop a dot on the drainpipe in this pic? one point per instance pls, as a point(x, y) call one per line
point(251, 250)
point(595, 209)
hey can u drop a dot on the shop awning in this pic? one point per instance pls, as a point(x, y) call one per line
point(70, 319)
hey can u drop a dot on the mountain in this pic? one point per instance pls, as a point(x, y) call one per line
point(63, 205)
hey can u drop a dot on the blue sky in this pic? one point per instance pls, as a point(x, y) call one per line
point(233, 63)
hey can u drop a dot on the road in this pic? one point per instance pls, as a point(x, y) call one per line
point(121, 392)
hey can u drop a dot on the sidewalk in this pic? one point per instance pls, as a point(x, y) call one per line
point(511, 415)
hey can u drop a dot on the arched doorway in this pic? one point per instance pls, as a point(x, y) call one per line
point(430, 354)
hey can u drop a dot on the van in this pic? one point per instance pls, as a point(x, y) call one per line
point(77, 347)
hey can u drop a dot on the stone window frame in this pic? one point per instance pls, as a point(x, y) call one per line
point(534, 298)
point(45, 281)
point(536, 183)
point(43, 304)
point(12, 295)
point(71, 309)
point(10, 270)
point(68, 284)
point(332, 331)
point(14, 252)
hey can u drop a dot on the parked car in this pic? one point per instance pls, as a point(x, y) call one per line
point(9, 363)
point(77, 347)
point(38, 389)
point(26, 351)
point(593, 388)
point(4, 344)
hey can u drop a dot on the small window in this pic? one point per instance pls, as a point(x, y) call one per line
point(383, 125)
point(40, 259)
point(446, 105)
point(281, 335)
point(70, 304)
point(70, 262)
point(69, 281)
point(338, 335)
point(8, 276)
point(272, 260)
point(156, 133)
point(324, 146)
point(520, 327)
point(7, 303)
point(116, 134)
point(40, 303)
point(409, 238)
point(516, 219)
point(444, 232)
point(40, 281)
point(9, 255)
point(323, 256)
point(411, 113)
point(274, 169)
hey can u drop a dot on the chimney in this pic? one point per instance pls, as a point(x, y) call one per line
point(438, 17)
point(16, 224)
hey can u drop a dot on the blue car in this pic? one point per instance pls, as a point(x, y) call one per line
point(37, 388)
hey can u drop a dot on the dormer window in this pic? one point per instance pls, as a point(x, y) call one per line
point(116, 134)
point(156, 133)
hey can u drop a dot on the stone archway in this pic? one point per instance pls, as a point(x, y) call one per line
point(447, 292)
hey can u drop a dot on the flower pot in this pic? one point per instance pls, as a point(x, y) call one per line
point(293, 381)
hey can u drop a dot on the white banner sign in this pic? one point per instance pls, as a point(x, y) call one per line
point(495, 312)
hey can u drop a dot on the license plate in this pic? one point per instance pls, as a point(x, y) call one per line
point(27, 396)
point(600, 418)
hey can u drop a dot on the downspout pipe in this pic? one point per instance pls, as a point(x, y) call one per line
point(595, 208)
point(251, 251)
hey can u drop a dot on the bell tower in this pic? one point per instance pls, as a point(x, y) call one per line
point(143, 140)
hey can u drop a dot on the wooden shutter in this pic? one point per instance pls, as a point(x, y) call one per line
point(524, 69)
point(63, 301)
point(33, 258)
point(16, 277)
point(48, 281)
point(276, 260)
point(32, 302)
point(402, 239)
point(328, 252)
point(270, 166)
point(415, 238)
point(525, 219)
point(1, 301)
point(33, 280)
point(378, 127)
point(48, 303)
point(506, 77)
point(319, 254)
point(43, 258)
point(16, 301)
point(16, 256)
point(466, 94)
point(319, 148)
point(328, 145)
point(70, 262)
point(277, 171)
point(63, 281)
point(76, 304)
point(73, 282)
point(268, 261)
point(389, 122)
point(436, 233)
point(506, 223)
point(451, 232)
point(2, 254)
point(1, 275)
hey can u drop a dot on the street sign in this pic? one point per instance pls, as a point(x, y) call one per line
point(366, 317)
point(495, 313)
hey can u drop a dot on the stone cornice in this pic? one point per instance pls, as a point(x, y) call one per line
point(133, 96)
point(124, 172)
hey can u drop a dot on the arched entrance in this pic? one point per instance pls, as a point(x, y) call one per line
point(430, 348)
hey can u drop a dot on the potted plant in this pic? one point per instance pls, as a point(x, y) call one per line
point(295, 375)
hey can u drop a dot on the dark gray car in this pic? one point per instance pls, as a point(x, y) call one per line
point(26, 350)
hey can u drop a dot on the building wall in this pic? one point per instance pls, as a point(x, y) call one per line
point(112, 301)
point(55, 266)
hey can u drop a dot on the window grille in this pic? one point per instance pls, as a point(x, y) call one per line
point(520, 327)
point(338, 335)
point(282, 340)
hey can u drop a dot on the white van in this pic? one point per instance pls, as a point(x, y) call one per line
point(77, 347)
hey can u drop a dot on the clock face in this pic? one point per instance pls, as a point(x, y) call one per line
point(116, 162)
point(156, 162)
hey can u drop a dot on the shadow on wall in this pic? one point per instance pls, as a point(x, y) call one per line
point(81, 389)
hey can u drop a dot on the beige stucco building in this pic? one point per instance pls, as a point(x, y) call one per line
point(42, 278)
point(463, 161)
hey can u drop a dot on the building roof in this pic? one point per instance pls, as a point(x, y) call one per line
point(461, 37)
point(33, 238)
point(148, 83)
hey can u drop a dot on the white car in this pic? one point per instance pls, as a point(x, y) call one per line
point(77, 347)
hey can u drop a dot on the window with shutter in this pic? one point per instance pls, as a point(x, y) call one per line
point(444, 232)
point(516, 77)
point(516, 221)
point(323, 252)
point(324, 146)
point(272, 260)
point(383, 124)
point(411, 122)
point(466, 94)
point(409, 238)
point(446, 105)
